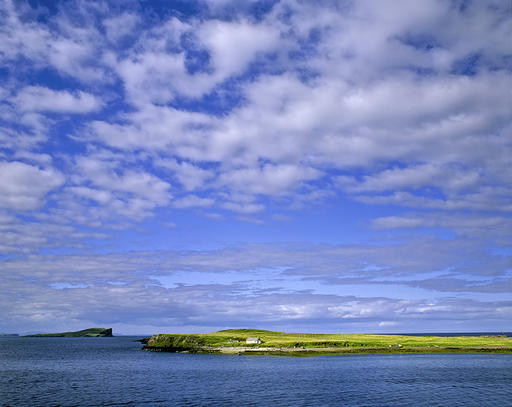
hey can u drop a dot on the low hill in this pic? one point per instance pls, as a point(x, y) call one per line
point(90, 332)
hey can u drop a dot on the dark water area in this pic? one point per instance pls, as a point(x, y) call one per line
point(115, 372)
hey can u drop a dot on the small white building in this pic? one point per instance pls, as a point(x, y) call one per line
point(253, 340)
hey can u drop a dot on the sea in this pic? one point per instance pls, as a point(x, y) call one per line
point(116, 372)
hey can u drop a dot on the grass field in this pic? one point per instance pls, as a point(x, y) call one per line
point(233, 341)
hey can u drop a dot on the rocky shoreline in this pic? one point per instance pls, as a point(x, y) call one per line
point(284, 351)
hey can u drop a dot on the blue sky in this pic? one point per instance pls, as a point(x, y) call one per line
point(188, 166)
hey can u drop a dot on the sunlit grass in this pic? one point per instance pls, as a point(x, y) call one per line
point(281, 341)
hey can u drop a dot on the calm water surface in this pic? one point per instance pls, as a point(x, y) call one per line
point(115, 372)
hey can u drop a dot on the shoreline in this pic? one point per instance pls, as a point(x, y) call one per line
point(296, 352)
point(260, 342)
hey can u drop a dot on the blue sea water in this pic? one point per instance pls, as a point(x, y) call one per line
point(116, 372)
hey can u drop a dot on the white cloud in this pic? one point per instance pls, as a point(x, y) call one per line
point(477, 225)
point(120, 26)
point(190, 176)
point(267, 180)
point(130, 193)
point(154, 74)
point(38, 158)
point(30, 236)
point(398, 263)
point(191, 201)
point(486, 198)
point(24, 187)
point(101, 196)
point(448, 177)
point(98, 285)
point(151, 77)
point(140, 183)
point(401, 103)
point(70, 49)
point(337, 119)
point(41, 99)
point(157, 128)
point(233, 45)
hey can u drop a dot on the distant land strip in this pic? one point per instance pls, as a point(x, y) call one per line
point(262, 342)
point(90, 332)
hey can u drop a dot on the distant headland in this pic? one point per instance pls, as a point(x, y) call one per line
point(90, 332)
point(261, 342)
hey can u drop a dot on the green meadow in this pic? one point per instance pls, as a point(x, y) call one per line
point(233, 341)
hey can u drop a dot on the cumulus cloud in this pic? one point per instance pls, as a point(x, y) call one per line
point(25, 187)
point(130, 193)
point(233, 45)
point(189, 175)
point(156, 128)
point(336, 119)
point(69, 49)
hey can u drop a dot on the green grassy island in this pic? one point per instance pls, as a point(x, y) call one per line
point(90, 332)
point(235, 341)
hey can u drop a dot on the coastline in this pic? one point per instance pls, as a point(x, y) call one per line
point(233, 342)
point(267, 351)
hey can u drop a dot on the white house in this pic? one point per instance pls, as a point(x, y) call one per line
point(253, 340)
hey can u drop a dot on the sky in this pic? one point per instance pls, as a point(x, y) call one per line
point(301, 166)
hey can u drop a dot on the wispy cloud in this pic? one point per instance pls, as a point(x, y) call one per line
point(41, 99)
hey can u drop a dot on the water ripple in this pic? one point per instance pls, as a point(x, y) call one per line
point(114, 372)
